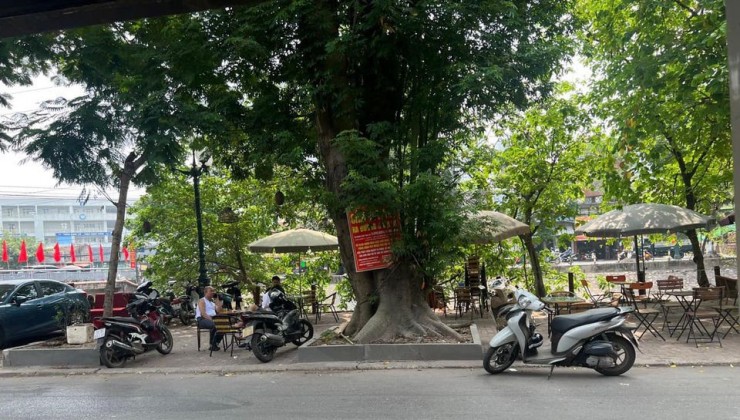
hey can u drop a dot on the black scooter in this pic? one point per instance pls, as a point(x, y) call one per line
point(271, 330)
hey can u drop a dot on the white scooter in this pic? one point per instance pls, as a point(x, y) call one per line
point(596, 339)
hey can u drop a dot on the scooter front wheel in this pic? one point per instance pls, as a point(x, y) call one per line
point(625, 356)
point(498, 359)
point(165, 346)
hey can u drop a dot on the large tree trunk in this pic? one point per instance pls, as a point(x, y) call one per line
point(701, 274)
point(130, 166)
point(535, 261)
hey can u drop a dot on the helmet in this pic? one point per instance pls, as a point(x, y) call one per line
point(535, 341)
point(274, 294)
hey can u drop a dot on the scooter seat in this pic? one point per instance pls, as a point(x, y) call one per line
point(563, 323)
point(126, 319)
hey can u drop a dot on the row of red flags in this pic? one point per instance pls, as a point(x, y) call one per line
point(40, 255)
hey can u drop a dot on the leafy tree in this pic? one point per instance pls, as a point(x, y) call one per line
point(255, 214)
point(536, 172)
point(130, 122)
point(370, 100)
point(384, 95)
point(662, 91)
point(20, 59)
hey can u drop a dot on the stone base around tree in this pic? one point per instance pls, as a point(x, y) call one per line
point(391, 352)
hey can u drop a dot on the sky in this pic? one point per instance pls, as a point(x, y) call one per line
point(30, 178)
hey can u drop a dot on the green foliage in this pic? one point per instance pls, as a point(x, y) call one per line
point(662, 89)
point(227, 255)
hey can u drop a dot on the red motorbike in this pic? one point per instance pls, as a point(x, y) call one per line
point(124, 338)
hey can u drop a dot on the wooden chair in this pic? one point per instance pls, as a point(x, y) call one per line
point(645, 316)
point(619, 278)
point(473, 282)
point(327, 304)
point(701, 310)
point(666, 304)
point(309, 303)
point(437, 299)
point(727, 309)
point(462, 301)
point(227, 331)
point(595, 299)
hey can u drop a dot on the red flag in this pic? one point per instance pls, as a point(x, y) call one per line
point(72, 256)
point(133, 258)
point(23, 256)
point(5, 251)
point(100, 253)
point(40, 253)
point(125, 253)
point(89, 252)
point(57, 253)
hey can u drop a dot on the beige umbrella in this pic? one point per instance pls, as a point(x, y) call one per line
point(487, 226)
point(295, 240)
point(643, 219)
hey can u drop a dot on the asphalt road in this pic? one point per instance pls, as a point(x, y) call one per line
point(657, 393)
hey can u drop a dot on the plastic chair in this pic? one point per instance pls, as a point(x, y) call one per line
point(327, 304)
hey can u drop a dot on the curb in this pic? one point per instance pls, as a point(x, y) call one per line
point(305, 368)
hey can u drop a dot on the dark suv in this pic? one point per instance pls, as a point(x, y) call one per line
point(31, 309)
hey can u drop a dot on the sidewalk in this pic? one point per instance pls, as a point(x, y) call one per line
point(185, 359)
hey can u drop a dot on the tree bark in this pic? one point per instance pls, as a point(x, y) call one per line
point(130, 166)
point(535, 261)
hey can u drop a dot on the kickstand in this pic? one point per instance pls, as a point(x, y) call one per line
point(552, 367)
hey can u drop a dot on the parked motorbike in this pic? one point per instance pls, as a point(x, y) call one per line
point(500, 295)
point(124, 338)
point(267, 331)
point(183, 306)
point(163, 305)
point(596, 339)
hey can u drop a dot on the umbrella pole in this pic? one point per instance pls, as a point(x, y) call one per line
point(640, 273)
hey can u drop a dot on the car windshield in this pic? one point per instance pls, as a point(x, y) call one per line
point(5, 290)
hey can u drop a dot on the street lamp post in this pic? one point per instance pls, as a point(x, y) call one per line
point(196, 171)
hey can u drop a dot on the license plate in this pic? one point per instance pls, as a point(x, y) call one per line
point(247, 331)
point(176, 306)
point(99, 333)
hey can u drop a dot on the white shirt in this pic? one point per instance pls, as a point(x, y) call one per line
point(266, 300)
point(210, 308)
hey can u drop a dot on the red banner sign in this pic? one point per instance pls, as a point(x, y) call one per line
point(372, 240)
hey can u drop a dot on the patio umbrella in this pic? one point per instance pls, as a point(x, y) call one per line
point(487, 226)
point(295, 240)
point(642, 219)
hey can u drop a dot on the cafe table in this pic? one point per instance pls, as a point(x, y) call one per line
point(558, 302)
point(685, 298)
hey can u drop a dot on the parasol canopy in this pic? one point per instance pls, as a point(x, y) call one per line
point(488, 226)
point(295, 240)
point(643, 219)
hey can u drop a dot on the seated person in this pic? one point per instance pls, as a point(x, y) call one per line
point(266, 296)
point(206, 309)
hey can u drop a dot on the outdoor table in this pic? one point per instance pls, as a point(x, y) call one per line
point(685, 299)
point(557, 302)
